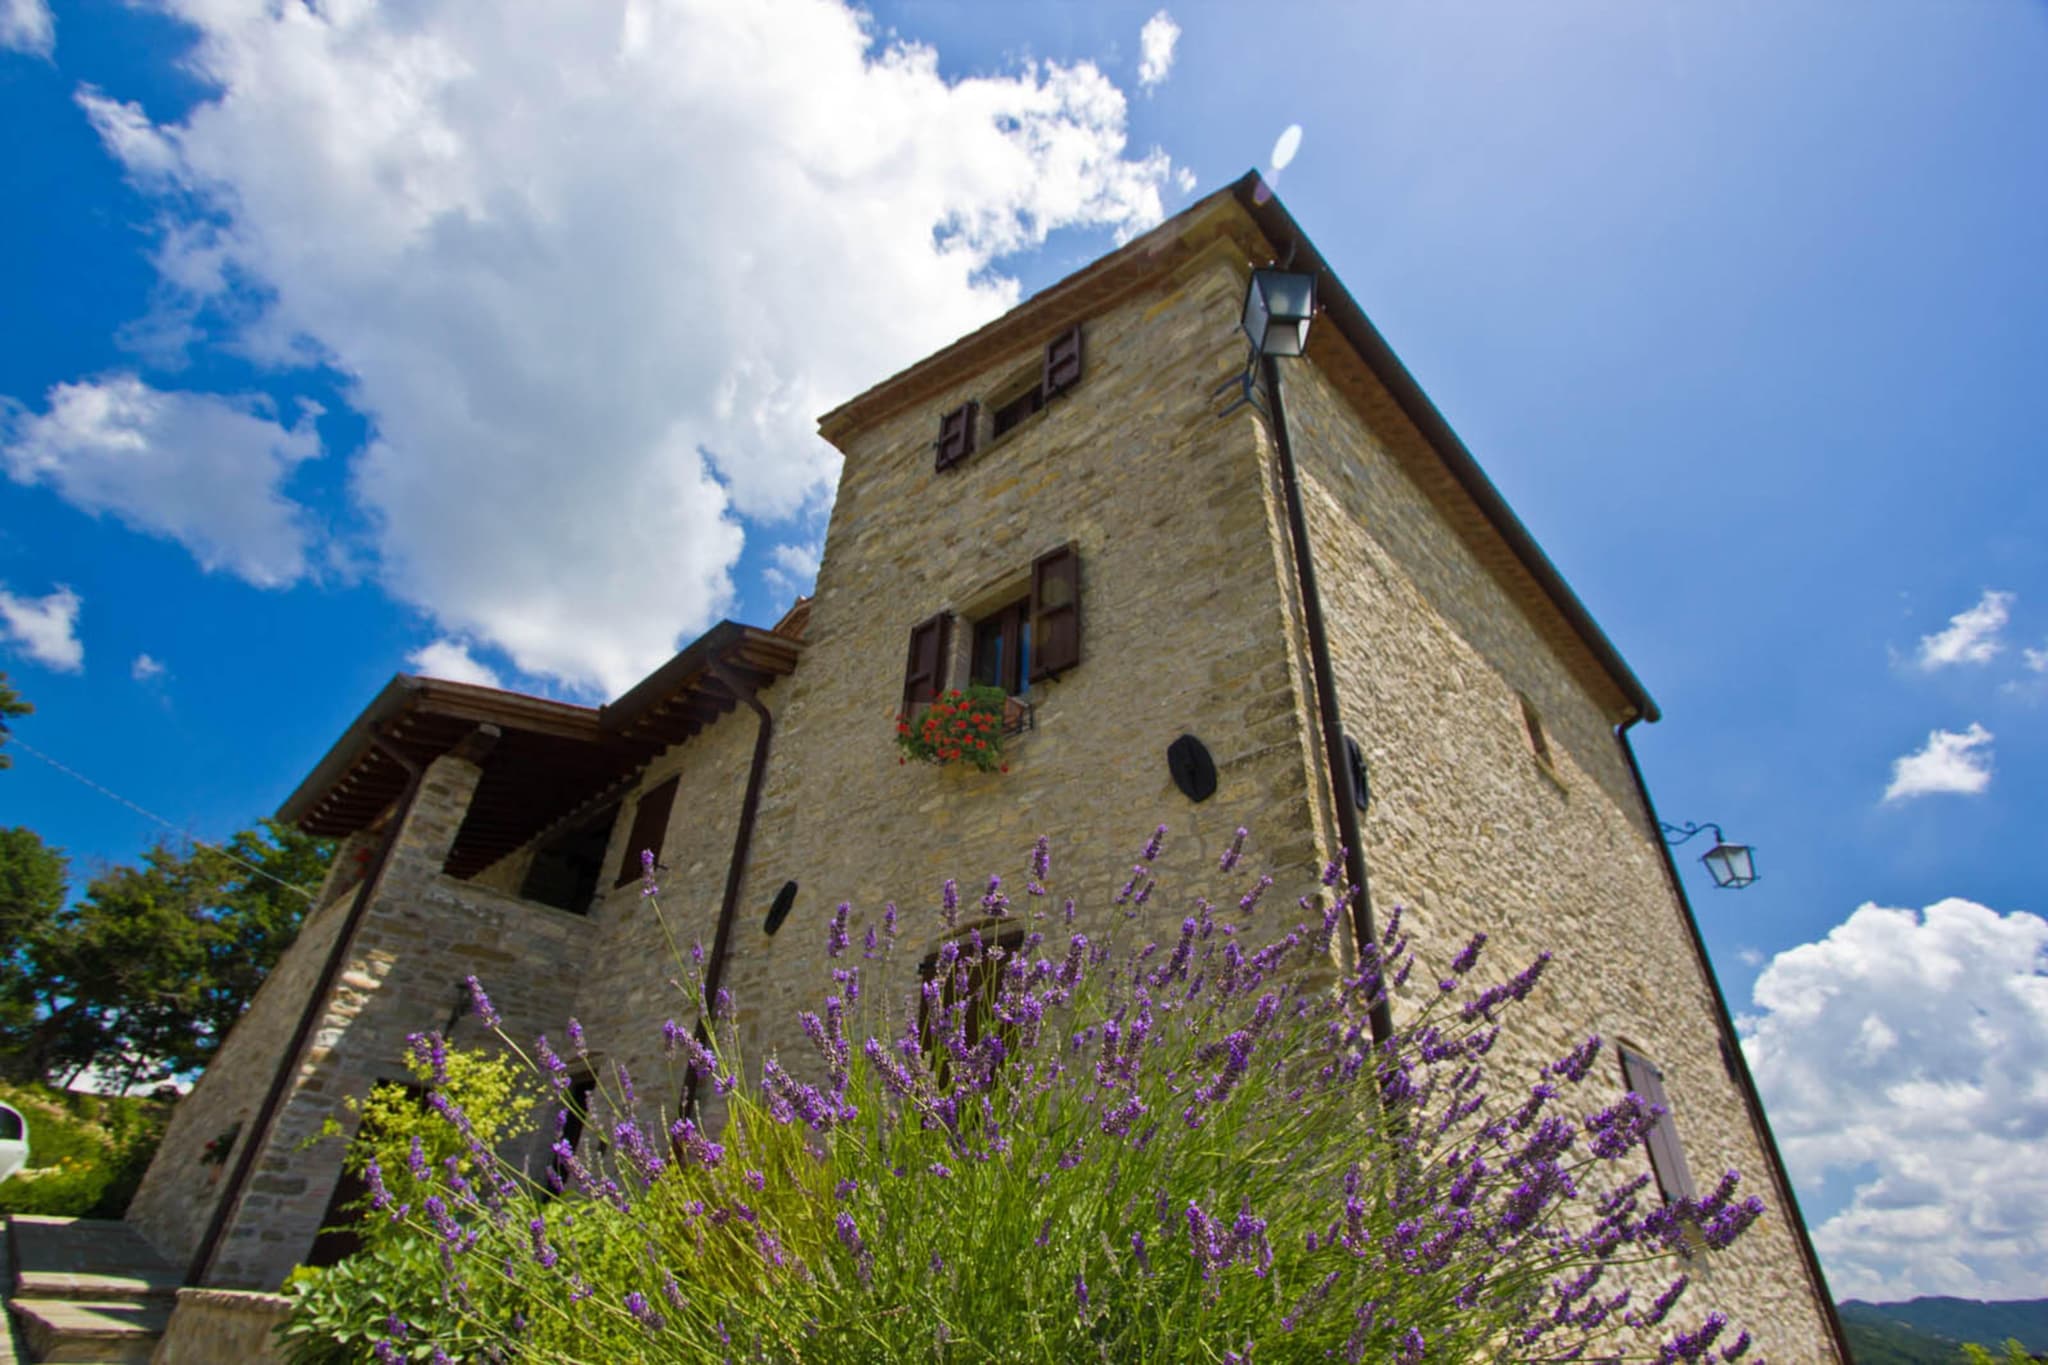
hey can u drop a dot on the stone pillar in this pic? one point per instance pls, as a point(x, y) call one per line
point(357, 1040)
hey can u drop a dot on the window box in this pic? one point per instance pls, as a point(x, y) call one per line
point(958, 727)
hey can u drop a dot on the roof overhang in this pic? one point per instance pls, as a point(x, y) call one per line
point(1254, 223)
point(553, 764)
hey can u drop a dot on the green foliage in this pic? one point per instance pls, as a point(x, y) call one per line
point(1145, 1156)
point(340, 1313)
point(87, 1153)
point(2015, 1354)
point(490, 1087)
point(1929, 1328)
point(11, 704)
point(145, 975)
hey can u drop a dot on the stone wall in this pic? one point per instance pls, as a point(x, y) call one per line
point(422, 933)
point(178, 1193)
point(638, 961)
point(1173, 515)
point(1470, 830)
point(218, 1326)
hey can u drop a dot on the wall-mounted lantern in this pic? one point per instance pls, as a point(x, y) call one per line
point(1732, 866)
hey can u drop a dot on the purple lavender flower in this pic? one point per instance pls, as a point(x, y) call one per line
point(1151, 852)
point(1236, 851)
point(576, 1038)
point(373, 1176)
point(993, 902)
point(1081, 1292)
point(1041, 861)
point(949, 902)
point(480, 1004)
point(836, 940)
point(643, 1312)
point(1468, 955)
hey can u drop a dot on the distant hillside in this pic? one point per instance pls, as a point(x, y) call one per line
point(1936, 1326)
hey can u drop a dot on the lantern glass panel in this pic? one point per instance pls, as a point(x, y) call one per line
point(1277, 308)
point(1731, 865)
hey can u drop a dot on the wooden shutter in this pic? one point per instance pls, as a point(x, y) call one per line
point(1055, 612)
point(650, 823)
point(1667, 1157)
point(1062, 362)
point(924, 672)
point(956, 435)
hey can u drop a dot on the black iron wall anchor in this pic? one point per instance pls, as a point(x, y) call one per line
point(1194, 771)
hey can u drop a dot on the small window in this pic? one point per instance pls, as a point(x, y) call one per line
point(1002, 649)
point(1010, 415)
point(1539, 744)
point(1667, 1157)
point(650, 825)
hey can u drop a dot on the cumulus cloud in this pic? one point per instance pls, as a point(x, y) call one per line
point(1971, 637)
point(2036, 660)
point(1951, 762)
point(1155, 49)
point(28, 26)
point(592, 276)
point(795, 569)
point(204, 470)
point(1908, 1052)
point(451, 660)
point(44, 628)
point(145, 668)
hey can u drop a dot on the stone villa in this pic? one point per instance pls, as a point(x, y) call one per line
point(1068, 504)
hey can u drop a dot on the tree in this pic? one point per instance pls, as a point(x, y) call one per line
point(32, 889)
point(144, 976)
point(11, 704)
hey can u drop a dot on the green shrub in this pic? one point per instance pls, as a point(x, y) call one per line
point(87, 1153)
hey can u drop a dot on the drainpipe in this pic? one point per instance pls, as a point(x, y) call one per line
point(1731, 1054)
point(735, 868)
point(293, 1058)
point(1381, 1014)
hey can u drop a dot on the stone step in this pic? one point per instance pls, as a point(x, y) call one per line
point(89, 1247)
point(116, 1332)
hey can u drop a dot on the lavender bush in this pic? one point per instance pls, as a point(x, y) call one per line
point(1068, 1146)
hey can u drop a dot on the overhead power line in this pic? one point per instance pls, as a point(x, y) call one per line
point(18, 742)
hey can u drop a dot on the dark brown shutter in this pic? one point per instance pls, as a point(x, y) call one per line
point(924, 672)
point(1055, 612)
point(1062, 362)
point(1667, 1158)
point(650, 823)
point(956, 435)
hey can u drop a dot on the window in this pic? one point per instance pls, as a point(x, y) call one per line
point(1667, 1157)
point(983, 979)
point(1533, 724)
point(1002, 649)
point(650, 824)
point(960, 429)
point(565, 870)
point(1009, 415)
point(576, 1109)
point(1027, 640)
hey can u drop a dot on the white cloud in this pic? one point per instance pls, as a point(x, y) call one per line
point(129, 136)
point(1951, 762)
point(44, 628)
point(145, 668)
point(1915, 1046)
point(592, 278)
point(795, 570)
point(2036, 660)
point(1751, 957)
point(451, 659)
point(1155, 49)
point(28, 26)
point(1971, 637)
point(204, 470)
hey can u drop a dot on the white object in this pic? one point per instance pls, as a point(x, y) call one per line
point(13, 1141)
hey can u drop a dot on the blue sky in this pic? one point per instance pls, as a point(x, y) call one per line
point(331, 339)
